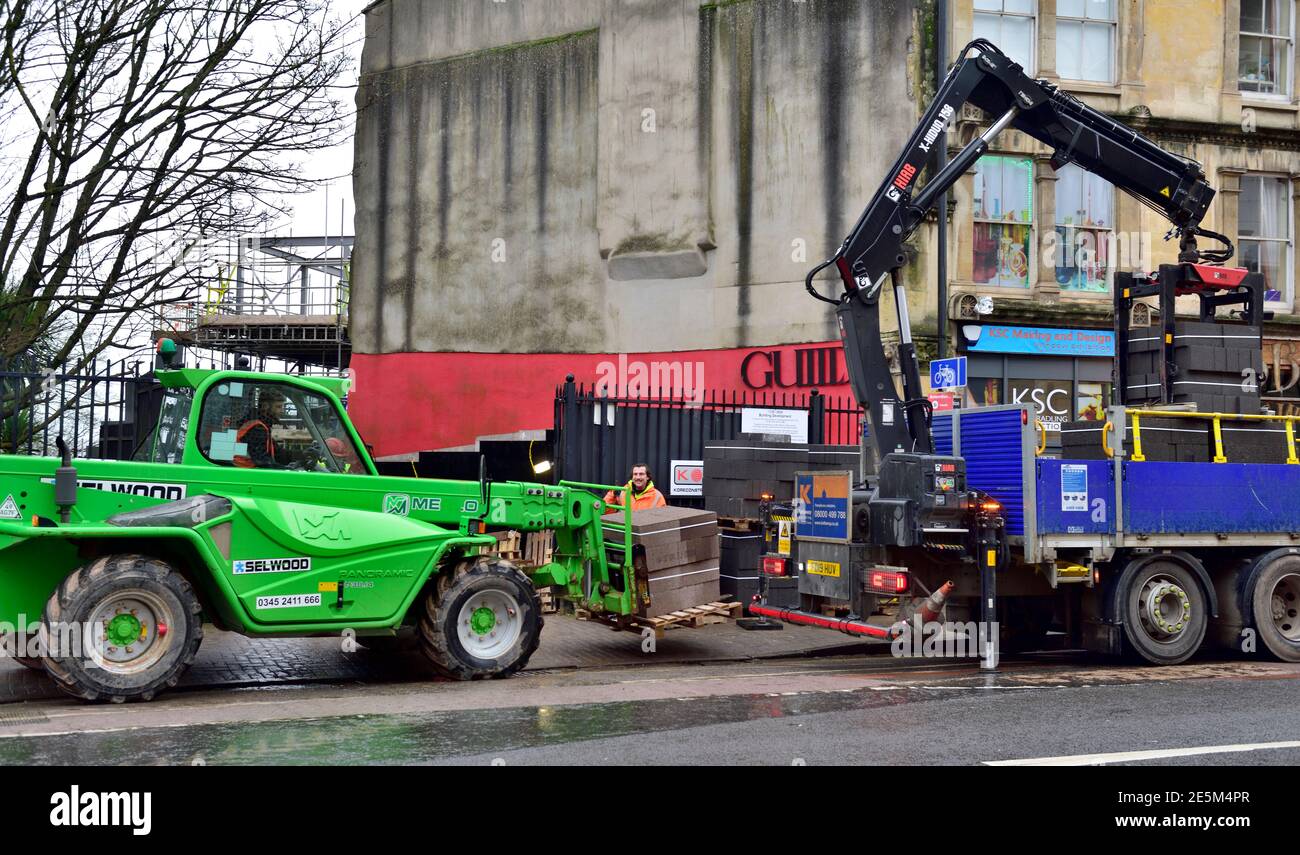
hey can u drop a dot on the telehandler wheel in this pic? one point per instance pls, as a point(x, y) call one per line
point(123, 627)
point(9, 643)
point(1275, 603)
point(1165, 613)
point(483, 620)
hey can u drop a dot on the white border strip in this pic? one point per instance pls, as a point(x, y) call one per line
point(613, 527)
point(654, 579)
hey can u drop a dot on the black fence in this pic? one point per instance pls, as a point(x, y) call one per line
point(101, 412)
point(600, 434)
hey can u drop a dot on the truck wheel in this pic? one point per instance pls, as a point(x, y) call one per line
point(1275, 603)
point(143, 627)
point(483, 620)
point(1164, 613)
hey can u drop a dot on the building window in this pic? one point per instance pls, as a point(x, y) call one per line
point(1264, 54)
point(1004, 216)
point(1085, 40)
point(1009, 24)
point(1085, 212)
point(1091, 400)
point(1264, 234)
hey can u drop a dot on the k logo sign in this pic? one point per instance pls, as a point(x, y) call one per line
point(397, 503)
point(688, 478)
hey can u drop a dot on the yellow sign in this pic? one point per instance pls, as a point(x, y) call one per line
point(993, 558)
point(824, 568)
point(783, 537)
point(1165, 192)
point(328, 587)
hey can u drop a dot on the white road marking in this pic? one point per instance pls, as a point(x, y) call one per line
point(1131, 756)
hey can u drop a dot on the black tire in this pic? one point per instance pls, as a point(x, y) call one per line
point(8, 642)
point(112, 584)
point(459, 597)
point(1164, 611)
point(1275, 607)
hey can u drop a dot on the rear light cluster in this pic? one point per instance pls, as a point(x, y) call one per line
point(774, 566)
point(888, 583)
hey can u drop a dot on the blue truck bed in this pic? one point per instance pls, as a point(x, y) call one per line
point(1109, 504)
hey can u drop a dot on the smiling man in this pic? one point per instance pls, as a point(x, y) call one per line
point(643, 491)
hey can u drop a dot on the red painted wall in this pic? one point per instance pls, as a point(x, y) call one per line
point(408, 402)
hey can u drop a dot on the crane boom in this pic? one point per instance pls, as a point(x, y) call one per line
point(987, 78)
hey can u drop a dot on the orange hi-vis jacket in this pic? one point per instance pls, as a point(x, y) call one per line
point(650, 497)
point(246, 461)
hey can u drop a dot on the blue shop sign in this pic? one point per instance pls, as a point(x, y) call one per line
point(1038, 341)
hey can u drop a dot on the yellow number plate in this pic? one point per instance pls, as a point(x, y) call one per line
point(824, 568)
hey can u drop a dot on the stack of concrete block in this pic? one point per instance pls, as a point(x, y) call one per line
point(1164, 439)
point(1216, 366)
point(737, 472)
point(675, 554)
point(742, 552)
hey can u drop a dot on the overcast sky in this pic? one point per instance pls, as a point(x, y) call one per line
point(307, 213)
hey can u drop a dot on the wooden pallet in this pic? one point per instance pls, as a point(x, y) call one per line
point(531, 549)
point(526, 551)
point(738, 524)
point(694, 617)
point(539, 546)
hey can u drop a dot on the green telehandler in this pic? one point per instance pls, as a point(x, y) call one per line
point(255, 507)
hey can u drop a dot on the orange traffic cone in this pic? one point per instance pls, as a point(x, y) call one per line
point(931, 608)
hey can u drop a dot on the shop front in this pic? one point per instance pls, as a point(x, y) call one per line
point(1281, 383)
point(1064, 374)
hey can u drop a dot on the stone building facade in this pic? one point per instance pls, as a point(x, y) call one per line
point(1212, 80)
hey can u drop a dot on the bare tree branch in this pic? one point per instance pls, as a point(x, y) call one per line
point(138, 128)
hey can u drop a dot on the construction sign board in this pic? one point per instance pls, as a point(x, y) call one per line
point(822, 505)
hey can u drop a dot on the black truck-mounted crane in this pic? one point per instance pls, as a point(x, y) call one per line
point(988, 79)
point(912, 508)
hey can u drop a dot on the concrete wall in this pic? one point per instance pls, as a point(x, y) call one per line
point(608, 175)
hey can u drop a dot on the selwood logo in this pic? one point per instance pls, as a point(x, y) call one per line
point(153, 490)
point(75, 808)
point(272, 565)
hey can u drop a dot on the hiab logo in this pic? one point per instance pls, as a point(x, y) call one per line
point(904, 176)
point(75, 808)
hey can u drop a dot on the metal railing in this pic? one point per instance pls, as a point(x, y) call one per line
point(1216, 420)
point(600, 433)
point(98, 410)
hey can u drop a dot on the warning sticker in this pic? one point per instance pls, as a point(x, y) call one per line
point(1074, 487)
point(9, 510)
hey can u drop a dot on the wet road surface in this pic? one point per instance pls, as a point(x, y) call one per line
point(838, 710)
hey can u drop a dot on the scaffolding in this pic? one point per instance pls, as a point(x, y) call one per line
point(273, 299)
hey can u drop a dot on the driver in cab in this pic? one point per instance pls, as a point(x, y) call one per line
point(255, 432)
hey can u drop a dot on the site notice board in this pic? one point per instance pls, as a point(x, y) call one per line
point(821, 505)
